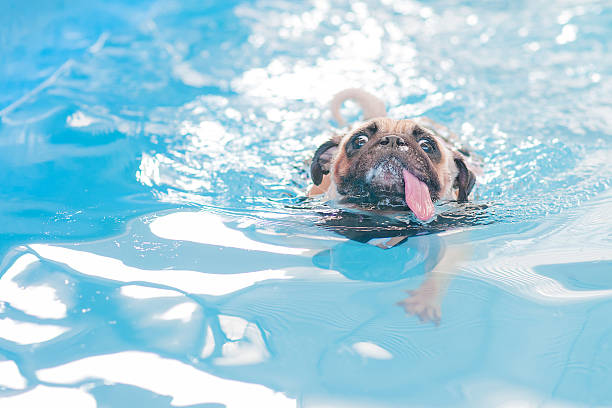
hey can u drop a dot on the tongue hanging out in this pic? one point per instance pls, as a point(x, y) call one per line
point(417, 197)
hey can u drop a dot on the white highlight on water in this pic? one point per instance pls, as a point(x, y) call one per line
point(207, 228)
point(371, 350)
point(189, 281)
point(185, 384)
point(36, 300)
point(10, 376)
point(44, 396)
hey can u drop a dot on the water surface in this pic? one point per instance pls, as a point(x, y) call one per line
point(156, 249)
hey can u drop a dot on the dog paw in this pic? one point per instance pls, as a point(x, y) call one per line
point(423, 303)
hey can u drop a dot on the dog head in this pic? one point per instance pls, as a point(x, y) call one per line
point(392, 163)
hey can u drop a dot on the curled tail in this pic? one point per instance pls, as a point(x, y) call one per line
point(371, 106)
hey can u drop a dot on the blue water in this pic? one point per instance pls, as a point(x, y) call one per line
point(156, 250)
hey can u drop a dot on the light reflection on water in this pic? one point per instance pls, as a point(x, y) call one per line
point(156, 248)
point(249, 325)
point(420, 61)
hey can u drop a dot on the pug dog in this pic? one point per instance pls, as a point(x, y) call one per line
point(396, 165)
point(403, 165)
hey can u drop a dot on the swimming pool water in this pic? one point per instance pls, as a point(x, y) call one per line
point(156, 250)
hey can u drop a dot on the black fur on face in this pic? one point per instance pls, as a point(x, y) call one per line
point(376, 160)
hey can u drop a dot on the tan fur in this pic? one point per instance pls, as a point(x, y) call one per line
point(371, 106)
point(446, 169)
point(374, 111)
point(426, 300)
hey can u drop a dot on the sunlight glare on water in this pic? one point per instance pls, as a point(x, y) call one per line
point(157, 248)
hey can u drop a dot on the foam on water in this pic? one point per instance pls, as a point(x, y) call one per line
point(156, 249)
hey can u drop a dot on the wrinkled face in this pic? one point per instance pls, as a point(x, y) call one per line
point(373, 159)
point(392, 163)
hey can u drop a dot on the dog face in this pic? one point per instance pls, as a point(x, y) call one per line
point(392, 163)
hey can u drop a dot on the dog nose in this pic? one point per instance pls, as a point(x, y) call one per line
point(392, 141)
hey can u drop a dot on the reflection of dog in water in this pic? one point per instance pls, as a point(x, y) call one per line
point(416, 256)
point(388, 166)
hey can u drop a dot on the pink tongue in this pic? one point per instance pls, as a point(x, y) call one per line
point(417, 197)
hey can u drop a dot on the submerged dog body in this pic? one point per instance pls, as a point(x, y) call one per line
point(385, 163)
point(400, 165)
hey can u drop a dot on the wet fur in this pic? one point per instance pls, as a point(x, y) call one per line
point(340, 176)
point(337, 172)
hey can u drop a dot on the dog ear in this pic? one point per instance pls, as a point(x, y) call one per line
point(465, 178)
point(321, 162)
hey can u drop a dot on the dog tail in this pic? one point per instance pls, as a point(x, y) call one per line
point(371, 106)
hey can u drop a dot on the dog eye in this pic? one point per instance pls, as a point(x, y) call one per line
point(426, 145)
point(360, 140)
